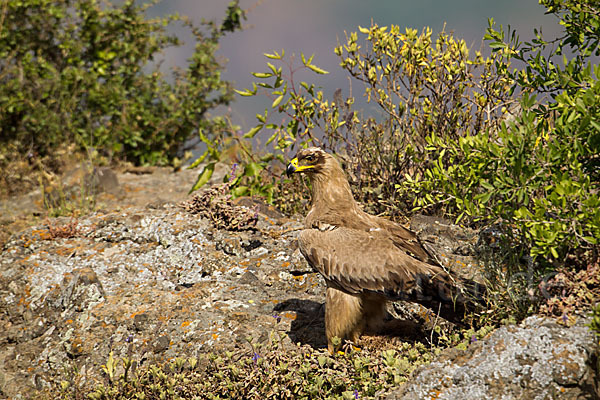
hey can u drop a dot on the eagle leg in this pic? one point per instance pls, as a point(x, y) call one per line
point(343, 316)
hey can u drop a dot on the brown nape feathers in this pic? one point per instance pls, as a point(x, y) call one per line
point(366, 260)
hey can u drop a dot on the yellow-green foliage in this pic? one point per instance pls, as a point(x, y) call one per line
point(536, 180)
point(268, 371)
point(429, 89)
point(425, 86)
point(453, 140)
point(539, 173)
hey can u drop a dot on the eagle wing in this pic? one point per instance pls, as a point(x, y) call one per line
point(404, 239)
point(359, 261)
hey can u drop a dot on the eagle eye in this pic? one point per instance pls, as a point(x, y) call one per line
point(310, 158)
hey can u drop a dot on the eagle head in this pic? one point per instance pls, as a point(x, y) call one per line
point(308, 160)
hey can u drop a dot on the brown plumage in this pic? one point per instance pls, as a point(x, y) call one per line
point(365, 260)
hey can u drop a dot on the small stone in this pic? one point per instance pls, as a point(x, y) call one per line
point(140, 321)
point(248, 278)
point(161, 344)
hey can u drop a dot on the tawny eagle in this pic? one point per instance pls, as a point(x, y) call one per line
point(366, 260)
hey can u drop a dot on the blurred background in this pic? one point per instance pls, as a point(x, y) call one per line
point(314, 27)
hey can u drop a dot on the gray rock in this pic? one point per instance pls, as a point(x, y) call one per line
point(140, 321)
point(87, 180)
point(102, 179)
point(147, 284)
point(453, 246)
point(79, 289)
point(161, 344)
point(538, 359)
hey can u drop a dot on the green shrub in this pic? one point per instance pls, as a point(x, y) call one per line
point(84, 72)
point(452, 139)
point(539, 173)
point(429, 90)
point(536, 179)
point(426, 87)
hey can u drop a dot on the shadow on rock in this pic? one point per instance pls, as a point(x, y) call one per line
point(309, 325)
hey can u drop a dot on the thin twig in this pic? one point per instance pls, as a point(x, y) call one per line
point(435, 323)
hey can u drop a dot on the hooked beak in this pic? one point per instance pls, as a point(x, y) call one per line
point(292, 167)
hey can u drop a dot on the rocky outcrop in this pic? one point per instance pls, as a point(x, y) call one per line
point(149, 284)
point(147, 280)
point(538, 359)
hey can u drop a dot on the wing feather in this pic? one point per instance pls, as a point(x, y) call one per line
point(358, 261)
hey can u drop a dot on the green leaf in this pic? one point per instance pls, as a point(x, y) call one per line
point(273, 56)
point(252, 132)
point(267, 157)
point(496, 45)
point(277, 101)
point(559, 189)
point(272, 68)
point(278, 83)
point(487, 185)
point(204, 176)
point(204, 139)
point(245, 92)
point(198, 160)
point(317, 69)
point(239, 191)
point(253, 169)
point(273, 136)
point(484, 197)
point(262, 75)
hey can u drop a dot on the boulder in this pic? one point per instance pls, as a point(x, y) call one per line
point(537, 359)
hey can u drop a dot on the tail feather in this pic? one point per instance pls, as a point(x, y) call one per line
point(451, 295)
